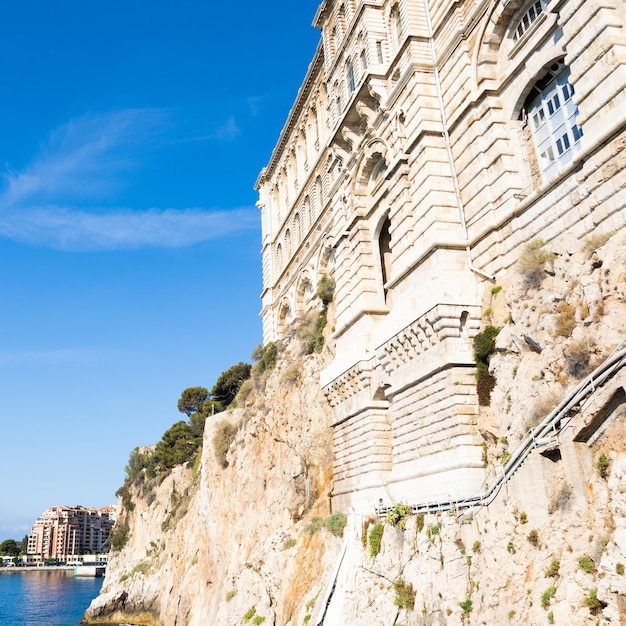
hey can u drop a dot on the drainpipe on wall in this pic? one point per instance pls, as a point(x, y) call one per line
point(446, 138)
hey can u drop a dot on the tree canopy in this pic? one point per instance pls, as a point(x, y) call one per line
point(9, 547)
point(229, 382)
point(177, 446)
point(181, 441)
point(192, 399)
point(138, 461)
point(265, 356)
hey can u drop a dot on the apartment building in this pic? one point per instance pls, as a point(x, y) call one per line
point(65, 531)
point(429, 143)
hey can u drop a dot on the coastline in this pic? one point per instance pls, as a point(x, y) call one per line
point(42, 568)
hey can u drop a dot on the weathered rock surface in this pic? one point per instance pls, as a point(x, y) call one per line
point(216, 543)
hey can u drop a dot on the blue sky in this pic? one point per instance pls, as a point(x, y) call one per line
point(131, 136)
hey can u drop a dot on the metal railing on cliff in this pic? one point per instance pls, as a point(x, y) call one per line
point(543, 434)
point(546, 432)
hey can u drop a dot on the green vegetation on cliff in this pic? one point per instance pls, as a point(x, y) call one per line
point(181, 442)
point(484, 347)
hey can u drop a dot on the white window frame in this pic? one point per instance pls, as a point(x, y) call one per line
point(379, 52)
point(350, 77)
point(527, 20)
point(552, 118)
point(363, 57)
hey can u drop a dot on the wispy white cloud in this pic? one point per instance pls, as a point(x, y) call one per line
point(256, 103)
point(84, 158)
point(49, 357)
point(225, 132)
point(59, 199)
point(15, 532)
point(228, 130)
point(75, 230)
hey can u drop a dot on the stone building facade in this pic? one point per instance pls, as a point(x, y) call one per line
point(429, 143)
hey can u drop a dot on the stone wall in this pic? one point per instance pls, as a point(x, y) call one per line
point(208, 544)
point(428, 186)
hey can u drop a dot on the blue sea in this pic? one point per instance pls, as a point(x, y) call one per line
point(45, 598)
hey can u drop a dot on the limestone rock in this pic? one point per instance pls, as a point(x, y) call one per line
point(217, 544)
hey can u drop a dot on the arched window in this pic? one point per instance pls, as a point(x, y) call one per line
point(288, 243)
point(551, 114)
point(284, 316)
point(296, 227)
point(283, 186)
point(303, 153)
point(396, 20)
point(316, 127)
point(529, 18)
point(303, 293)
point(279, 258)
point(278, 196)
point(380, 166)
point(350, 81)
point(336, 101)
point(384, 249)
point(292, 175)
point(463, 323)
point(363, 56)
point(288, 178)
point(319, 196)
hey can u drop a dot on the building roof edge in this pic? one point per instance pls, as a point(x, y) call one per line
point(303, 92)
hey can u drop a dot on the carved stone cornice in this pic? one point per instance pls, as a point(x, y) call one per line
point(338, 154)
point(352, 382)
point(441, 322)
point(367, 109)
point(304, 96)
point(351, 136)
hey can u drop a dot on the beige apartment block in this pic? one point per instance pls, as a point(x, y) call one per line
point(430, 141)
point(65, 531)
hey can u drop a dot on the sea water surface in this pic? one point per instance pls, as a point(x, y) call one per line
point(45, 598)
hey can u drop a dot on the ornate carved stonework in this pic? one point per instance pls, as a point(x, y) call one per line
point(350, 383)
point(400, 168)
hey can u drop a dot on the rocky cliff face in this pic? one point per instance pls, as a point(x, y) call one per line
point(211, 543)
point(232, 545)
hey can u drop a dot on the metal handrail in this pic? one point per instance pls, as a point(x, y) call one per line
point(547, 430)
point(555, 422)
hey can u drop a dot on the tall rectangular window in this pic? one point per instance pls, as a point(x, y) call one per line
point(350, 77)
point(553, 120)
point(379, 51)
